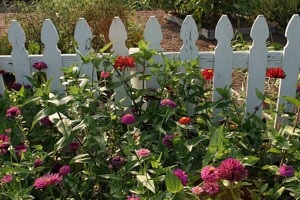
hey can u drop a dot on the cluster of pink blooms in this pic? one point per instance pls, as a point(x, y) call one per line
point(51, 179)
point(168, 102)
point(4, 143)
point(128, 119)
point(230, 169)
point(182, 176)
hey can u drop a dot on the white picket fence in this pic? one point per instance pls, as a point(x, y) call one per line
point(222, 60)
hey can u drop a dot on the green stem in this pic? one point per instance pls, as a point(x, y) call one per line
point(232, 192)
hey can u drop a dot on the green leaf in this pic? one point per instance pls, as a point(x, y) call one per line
point(250, 160)
point(81, 158)
point(40, 115)
point(274, 150)
point(146, 181)
point(173, 183)
point(111, 176)
point(259, 95)
point(292, 100)
point(279, 192)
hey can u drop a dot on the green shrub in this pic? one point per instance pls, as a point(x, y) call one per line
point(65, 14)
point(280, 11)
point(208, 12)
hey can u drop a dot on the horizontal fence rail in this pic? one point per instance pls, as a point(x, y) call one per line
point(223, 59)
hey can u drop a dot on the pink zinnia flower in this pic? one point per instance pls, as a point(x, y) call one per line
point(143, 152)
point(7, 178)
point(210, 174)
point(20, 149)
point(133, 197)
point(197, 190)
point(168, 102)
point(211, 188)
point(46, 180)
point(286, 170)
point(105, 74)
point(64, 170)
point(8, 130)
point(168, 141)
point(128, 119)
point(232, 170)
point(182, 176)
point(39, 65)
point(13, 112)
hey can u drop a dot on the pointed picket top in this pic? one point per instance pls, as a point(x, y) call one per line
point(118, 36)
point(189, 35)
point(19, 55)
point(49, 35)
point(52, 55)
point(224, 30)
point(153, 34)
point(83, 36)
point(258, 55)
point(223, 56)
point(260, 30)
point(16, 35)
point(290, 64)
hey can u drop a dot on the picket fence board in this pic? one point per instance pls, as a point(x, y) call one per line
point(223, 56)
point(52, 55)
point(257, 64)
point(291, 64)
point(19, 54)
point(223, 59)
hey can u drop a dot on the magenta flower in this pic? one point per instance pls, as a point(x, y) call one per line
point(168, 102)
point(232, 170)
point(181, 175)
point(211, 188)
point(38, 162)
point(133, 197)
point(210, 174)
point(4, 141)
point(168, 141)
point(143, 152)
point(64, 170)
point(286, 170)
point(39, 65)
point(105, 74)
point(197, 190)
point(14, 86)
point(117, 161)
point(73, 146)
point(13, 112)
point(7, 178)
point(20, 149)
point(46, 121)
point(127, 119)
point(46, 180)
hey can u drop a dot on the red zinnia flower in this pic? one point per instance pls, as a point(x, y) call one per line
point(124, 62)
point(276, 73)
point(184, 120)
point(39, 65)
point(208, 74)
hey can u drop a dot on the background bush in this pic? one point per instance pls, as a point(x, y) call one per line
point(65, 14)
